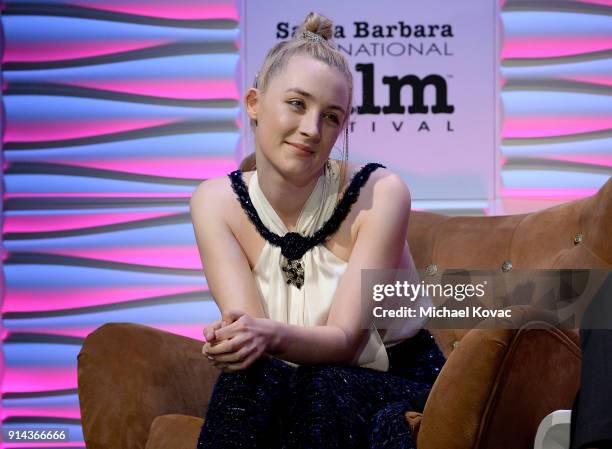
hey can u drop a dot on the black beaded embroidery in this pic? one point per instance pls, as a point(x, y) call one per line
point(293, 245)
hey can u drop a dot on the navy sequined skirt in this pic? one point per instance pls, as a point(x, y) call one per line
point(274, 405)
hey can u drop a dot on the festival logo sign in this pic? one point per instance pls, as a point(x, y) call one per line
point(425, 85)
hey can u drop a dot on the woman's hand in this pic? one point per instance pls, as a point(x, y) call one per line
point(238, 340)
point(210, 337)
point(209, 331)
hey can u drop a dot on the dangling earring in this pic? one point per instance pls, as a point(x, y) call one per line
point(344, 155)
point(346, 136)
point(255, 122)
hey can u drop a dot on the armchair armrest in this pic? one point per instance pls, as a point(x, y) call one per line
point(498, 384)
point(128, 374)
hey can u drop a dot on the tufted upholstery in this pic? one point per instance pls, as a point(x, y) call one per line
point(544, 239)
point(497, 385)
point(140, 387)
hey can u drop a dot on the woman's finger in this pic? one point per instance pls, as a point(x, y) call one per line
point(206, 349)
point(230, 331)
point(236, 356)
point(209, 331)
point(232, 367)
point(227, 346)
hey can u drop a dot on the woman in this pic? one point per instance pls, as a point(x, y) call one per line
point(298, 369)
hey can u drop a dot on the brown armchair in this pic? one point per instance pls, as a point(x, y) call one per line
point(143, 388)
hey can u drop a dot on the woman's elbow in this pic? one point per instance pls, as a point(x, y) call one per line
point(352, 346)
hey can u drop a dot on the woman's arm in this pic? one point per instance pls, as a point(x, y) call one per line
point(380, 241)
point(226, 267)
point(384, 205)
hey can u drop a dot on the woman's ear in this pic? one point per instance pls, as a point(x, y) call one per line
point(251, 101)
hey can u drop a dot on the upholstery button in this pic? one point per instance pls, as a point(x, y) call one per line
point(506, 266)
point(578, 239)
point(431, 269)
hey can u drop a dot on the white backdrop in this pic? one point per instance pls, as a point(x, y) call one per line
point(448, 155)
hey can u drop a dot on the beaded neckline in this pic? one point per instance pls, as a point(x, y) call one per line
point(294, 245)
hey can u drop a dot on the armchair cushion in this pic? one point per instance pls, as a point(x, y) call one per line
point(174, 431)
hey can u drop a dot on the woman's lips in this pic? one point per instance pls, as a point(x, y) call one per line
point(301, 149)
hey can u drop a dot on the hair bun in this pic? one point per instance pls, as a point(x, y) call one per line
point(318, 24)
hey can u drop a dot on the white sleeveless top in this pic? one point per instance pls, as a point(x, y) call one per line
point(310, 305)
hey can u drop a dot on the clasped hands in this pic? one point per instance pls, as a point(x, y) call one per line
point(237, 340)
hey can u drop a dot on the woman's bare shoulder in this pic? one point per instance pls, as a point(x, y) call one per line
point(384, 181)
point(384, 191)
point(209, 192)
point(215, 195)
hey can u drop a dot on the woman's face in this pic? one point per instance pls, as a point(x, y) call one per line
point(303, 106)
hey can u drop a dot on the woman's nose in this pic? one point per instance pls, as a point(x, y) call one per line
point(310, 126)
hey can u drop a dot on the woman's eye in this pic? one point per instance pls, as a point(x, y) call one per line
point(300, 104)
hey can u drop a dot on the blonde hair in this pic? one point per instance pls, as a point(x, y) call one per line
point(278, 57)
